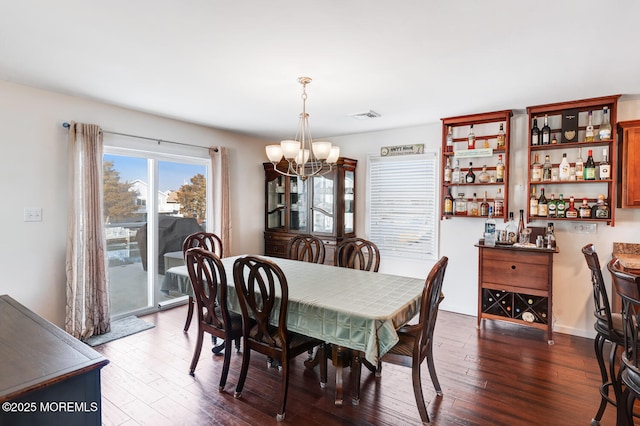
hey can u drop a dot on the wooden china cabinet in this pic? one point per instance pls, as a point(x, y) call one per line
point(323, 206)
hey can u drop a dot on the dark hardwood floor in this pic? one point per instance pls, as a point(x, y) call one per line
point(503, 374)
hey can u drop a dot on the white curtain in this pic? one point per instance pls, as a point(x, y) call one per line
point(87, 282)
point(219, 193)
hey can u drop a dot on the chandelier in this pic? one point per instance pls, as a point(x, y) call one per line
point(303, 156)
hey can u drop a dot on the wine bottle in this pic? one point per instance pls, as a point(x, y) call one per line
point(500, 169)
point(560, 206)
point(590, 167)
point(605, 128)
point(448, 203)
point(546, 131)
point(550, 237)
point(449, 144)
point(484, 206)
point(520, 223)
point(501, 137)
point(448, 171)
point(471, 139)
point(604, 167)
point(533, 203)
point(552, 206)
point(588, 134)
point(535, 132)
point(542, 204)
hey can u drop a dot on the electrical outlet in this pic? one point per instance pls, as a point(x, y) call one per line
point(584, 228)
point(33, 215)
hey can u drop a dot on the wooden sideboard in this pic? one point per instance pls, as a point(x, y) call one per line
point(46, 375)
point(516, 285)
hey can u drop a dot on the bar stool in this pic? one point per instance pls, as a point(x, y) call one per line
point(628, 287)
point(608, 326)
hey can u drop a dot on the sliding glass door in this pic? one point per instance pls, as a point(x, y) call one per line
point(151, 204)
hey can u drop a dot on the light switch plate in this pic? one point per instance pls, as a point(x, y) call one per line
point(33, 215)
point(584, 228)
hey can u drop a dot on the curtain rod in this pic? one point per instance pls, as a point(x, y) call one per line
point(67, 125)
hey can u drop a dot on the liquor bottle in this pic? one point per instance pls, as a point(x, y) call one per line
point(588, 134)
point(546, 169)
point(546, 131)
point(483, 177)
point(449, 145)
point(484, 206)
point(552, 207)
point(550, 237)
point(579, 167)
point(520, 224)
point(448, 203)
point(456, 176)
point(565, 168)
point(542, 204)
point(560, 207)
point(498, 204)
point(535, 132)
point(448, 171)
point(470, 177)
point(590, 167)
point(571, 212)
point(604, 168)
point(511, 230)
point(536, 170)
point(501, 137)
point(605, 128)
point(500, 169)
point(490, 230)
point(585, 211)
point(471, 138)
point(600, 210)
point(473, 209)
point(533, 203)
point(460, 205)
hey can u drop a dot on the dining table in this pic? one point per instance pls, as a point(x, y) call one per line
point(346, 308)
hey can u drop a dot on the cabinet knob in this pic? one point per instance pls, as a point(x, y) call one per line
point(513, 266)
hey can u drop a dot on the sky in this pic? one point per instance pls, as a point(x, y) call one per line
point(171, 175)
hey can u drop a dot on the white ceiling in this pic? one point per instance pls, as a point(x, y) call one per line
point(234, 64)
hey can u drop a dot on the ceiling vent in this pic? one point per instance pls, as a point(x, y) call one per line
point(365, 115)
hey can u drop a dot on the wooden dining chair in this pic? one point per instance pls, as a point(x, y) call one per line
point(209, 282)
point(416, 340)
point(608, 328)
point(628, 287)
point(208, 241)
point(306, 248)
point(264, 295)
point(357, 253)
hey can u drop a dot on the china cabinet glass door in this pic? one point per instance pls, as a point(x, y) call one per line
point(298, 207)
point(323, 205)
point(349, 183)
point(276, 202)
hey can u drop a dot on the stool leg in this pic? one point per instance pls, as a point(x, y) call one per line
point(604, 388)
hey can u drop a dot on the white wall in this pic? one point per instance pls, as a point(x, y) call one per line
point(33, 173)
point(572, 306)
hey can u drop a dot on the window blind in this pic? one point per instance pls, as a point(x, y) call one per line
point(402, 205)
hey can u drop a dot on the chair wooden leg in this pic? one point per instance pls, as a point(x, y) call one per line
point(189, 314)
point(417, 392)
point(225, 364)
point(598, 344)
point(322, 360)
point(356, 370)
point(432, 370)
point(246, 357)
point(196, 351)
point(284, 387)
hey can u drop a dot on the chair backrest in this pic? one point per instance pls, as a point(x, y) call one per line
point(628, 287)
point(306, 248)
point(431, 298)
point(262, 292)
point(206, 240)
point(600, 299)
point(209, 282)
point(358, 253)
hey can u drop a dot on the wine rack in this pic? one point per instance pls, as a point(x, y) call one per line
point(486, 128)
point(579, 189)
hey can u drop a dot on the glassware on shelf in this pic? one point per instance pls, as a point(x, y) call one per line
point(460, 205)
point(484, 177)
point(473, 208)
point(604, 132)
point(546, 131)
point(484, 206)
point(501, 137)
point(588, 133)
point(585, 210)
point(471, 139)
point(448, 203)
point(546, 169)
point(470, 177)
point(535, 132)
point(449, 144)
point(500, 169)
point(536, 170)
point(498, 204)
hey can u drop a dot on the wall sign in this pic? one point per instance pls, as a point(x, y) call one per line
point(388, 151)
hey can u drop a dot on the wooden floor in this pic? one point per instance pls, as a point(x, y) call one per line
point(504, 374)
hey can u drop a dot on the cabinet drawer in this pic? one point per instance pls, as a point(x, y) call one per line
point(516, 274)
point(516, 256)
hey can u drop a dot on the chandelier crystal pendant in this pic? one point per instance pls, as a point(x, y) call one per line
point(304, 157)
